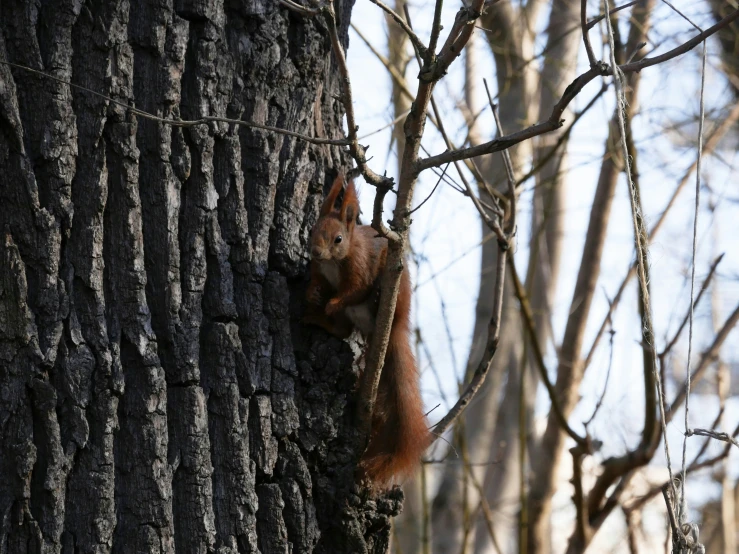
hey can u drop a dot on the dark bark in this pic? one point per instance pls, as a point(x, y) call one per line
point(158, 392)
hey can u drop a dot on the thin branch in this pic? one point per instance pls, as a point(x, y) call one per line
point(593, 22)
point(435, 27)
point(711, 144)
point(555, 122)
point(701, 124)
point(695, 466)
point(585, 38)
point(725, 437)
point(382, 183)
point(562, 138)
point(528, 319)
point(708, 356)
point(433, 190)
point(302, 10)
point(491, 347)
point(511, 223)
point(704, 287)
point(182, 122)
point(602, 396)
point(417, 43)
point(390, 279)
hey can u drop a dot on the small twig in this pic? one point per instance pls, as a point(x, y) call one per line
point(417, 43)
point(381, 182)
point(681, 14)
point(704, 287)
point(708, 356)
point(608, 372)
point(585, 38)
point(543, 160)
point(302, 10)
point(528, 319)
point(491, 347)
point(695, 466)
point(593, 22)
point(435, 27)
point(484, 506)
point(182, 122)
point(432, 191)
point(701, 124)
point(724, 437)
point(511, 223)
point(671, 514)
point(554, 121)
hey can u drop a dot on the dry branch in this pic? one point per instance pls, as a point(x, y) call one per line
point(555, 122)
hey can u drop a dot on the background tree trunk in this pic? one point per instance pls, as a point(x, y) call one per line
point(158, 391)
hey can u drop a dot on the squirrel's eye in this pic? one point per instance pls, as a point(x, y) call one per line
point(337, 240)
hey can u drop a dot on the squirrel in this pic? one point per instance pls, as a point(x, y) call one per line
point(347, 262)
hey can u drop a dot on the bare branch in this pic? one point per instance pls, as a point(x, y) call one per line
point(417, 43)
point(711, 144)
point(182, 122)
point(725, 437)
point(487, 360)
point(593, 22)
point(706, 282)
point(528, 319)
point(302, 10)
point(708, 356)
point(585, 38)
point(554, 122)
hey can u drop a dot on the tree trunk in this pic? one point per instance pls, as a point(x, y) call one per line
point(159, 392)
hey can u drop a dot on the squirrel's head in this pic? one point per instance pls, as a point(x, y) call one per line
point(332, 233)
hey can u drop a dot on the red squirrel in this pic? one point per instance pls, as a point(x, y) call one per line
point(347, 261)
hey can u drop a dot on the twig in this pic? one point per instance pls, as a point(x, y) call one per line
point(491, 347)
point(390, 280)
point(554, 122)
point(541, 162)
point(528, 319)
point(593, 22)
point(704, 287)
point(701, 123)
point(435, 27)
point(585, 38)
point(711, 143)
point(602, 396)
point(511, 223)
point(357, 150)
point(706, 359)
point(725, 437)
point(302, 10)
point(695, 466)
point(182, 122)
point(642, 254)
point(484, 506)
point(417, 43)
point(433, 190)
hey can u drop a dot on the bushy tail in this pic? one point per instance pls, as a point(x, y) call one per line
point(399, 428)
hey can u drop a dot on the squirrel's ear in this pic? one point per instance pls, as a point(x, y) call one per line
point(328, 204)
point(350, 205)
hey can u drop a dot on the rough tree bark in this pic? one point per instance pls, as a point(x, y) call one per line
point(157, 390)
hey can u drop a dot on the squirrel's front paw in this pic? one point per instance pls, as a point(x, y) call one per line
point(313, 295)
point(333, 306)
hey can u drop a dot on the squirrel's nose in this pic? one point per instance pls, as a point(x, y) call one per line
point(315, 253)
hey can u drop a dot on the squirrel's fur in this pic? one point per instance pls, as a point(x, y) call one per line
point(343, 293)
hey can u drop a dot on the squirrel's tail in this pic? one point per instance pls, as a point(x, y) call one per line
point(400, 432)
